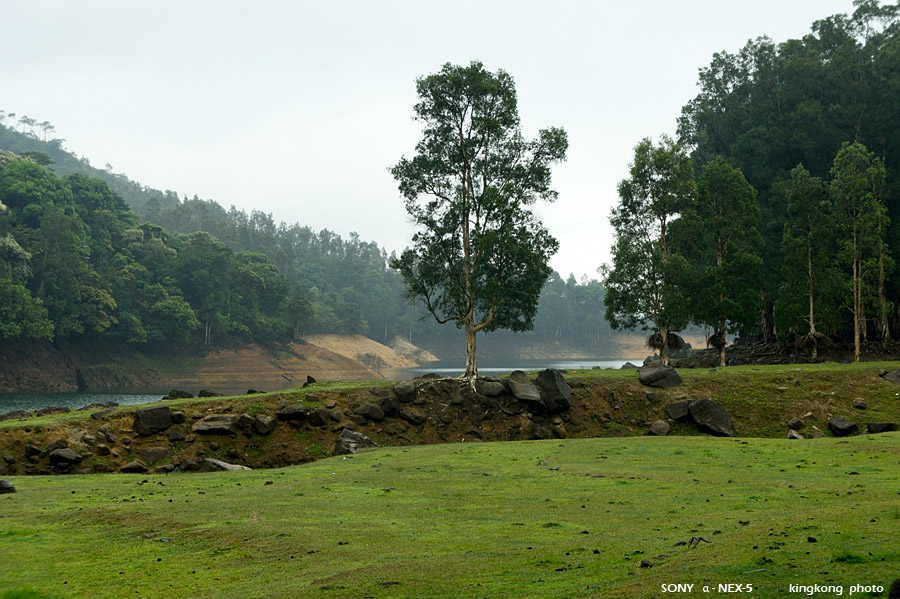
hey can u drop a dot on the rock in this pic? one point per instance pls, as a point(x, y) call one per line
point(151, 455)
point(58, 444)
point(133, 468)
point(245, 423)
point(554, 389)
point(679, 410)
point(214, 465)
point(894, 591)
point(218, 424)
point(320, 417)
point(711, 417)
point(524, 390)
point(645, 563)
point(208, 393)
point(818, 435)
point(165, 469)
point(490, 387)
point(352, 442)
point(293, 413)
point(660, 428)
point(781, 389)
point(860, 404)
point(539, 433)
point(264, 424)
point(628, 366)
point(657, 375)
point(178, 394)
point(254, 392)
point(6, 487)
point(795, 424)
point(651, 396)
point(14, 415)
point(53, 410)
point(390, 405)
point(9, 458)
point(155, 419)
point(841, 427)
point(370, 411)
point(405, 391)
point(792, 434)
point(412, 415)
point(103, 413)
point(178, 417)
point(65, 457)
point(103, 449)
point(310, 380)
point(881, 427)
point(893, 376)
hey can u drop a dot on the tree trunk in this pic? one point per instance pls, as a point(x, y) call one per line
point(812, 318)
point(857, 295)
point(664, 349)
point(471, 361)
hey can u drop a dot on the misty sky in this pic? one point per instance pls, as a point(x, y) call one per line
point(298, 108)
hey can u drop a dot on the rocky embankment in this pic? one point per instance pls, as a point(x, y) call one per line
point(320, 420)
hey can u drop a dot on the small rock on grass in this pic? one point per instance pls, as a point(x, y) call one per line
point(6, 487)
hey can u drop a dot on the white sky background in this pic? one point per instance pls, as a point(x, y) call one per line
point(298, 108)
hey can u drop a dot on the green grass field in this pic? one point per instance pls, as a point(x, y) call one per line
point(570, 518)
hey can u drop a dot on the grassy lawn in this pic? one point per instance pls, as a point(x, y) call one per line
point(571, 518)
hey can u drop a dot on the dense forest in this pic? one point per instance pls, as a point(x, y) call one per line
point(776, 212)
point(158, 268)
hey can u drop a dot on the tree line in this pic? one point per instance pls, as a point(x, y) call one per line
point(775, 214)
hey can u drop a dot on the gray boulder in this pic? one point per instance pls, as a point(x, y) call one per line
point(841, 427)
point(370, 411)
point(133, 468)
point(352, 442)
point(6, 487)
point(208, 393)
point(412, 415)
point(657, 375)
point(217, 424)
point(881, 427)
point(554, 389)
point(490, 387)
point(860, 404)
point(320, 417)
point(155, 419)
point(792, 434)
point(712, 418)
point(796, 424)
point(679, 410)
point(628, 366)
point(264, 424)
point(14, 415)
point(405, 391)
point(176, 435)
point(893, 376)
point(524, 390)
point(65, 457)
point(214, 465)
point(390, 405)
point(660, 428)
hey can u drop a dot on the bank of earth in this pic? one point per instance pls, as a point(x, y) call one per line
point(304, 424)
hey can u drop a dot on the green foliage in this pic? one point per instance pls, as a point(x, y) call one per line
point(21, 314)
point(479, 256)
point(642, 285)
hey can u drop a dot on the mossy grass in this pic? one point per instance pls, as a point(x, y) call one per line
point(571, 518)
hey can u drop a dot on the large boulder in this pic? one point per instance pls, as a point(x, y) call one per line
point(370, 411)
point(293, 413)
point(133, 468)
point(65, 457)
point(524, 390)
point(712, 418)
point(841, 427)
point(881, 427)
point(412, 415)
point(679, 410)
point(660, 428)
point(490, 387)
point(217, 424)
point(214, 465)
point(264, 424)
point(154, 419)
point(893, 376)
point(657, 375)
point(352, 442)
point(405, 391)
point(6, 487)
point(555, 390)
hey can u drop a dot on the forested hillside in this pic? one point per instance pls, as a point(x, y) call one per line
point(188, 270)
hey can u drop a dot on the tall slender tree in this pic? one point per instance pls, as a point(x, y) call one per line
point(642, 283)
point(479, 256)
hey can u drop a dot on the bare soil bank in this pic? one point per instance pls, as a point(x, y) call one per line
point(42, 367)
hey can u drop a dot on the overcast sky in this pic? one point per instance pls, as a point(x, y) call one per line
point(298, 108)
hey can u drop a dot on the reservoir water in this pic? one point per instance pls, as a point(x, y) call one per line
point(10, 402)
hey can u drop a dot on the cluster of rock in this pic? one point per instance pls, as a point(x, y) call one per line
point(707, 415)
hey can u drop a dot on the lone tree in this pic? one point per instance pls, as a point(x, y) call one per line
point(642, 286)
point(479, 256)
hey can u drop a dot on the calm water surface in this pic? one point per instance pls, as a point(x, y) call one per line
point(10, 402)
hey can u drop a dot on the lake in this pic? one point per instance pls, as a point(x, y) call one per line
point(10, 402)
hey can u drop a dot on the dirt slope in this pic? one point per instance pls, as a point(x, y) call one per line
point(362, 349)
